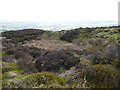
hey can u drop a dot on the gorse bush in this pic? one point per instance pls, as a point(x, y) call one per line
point(105, 76)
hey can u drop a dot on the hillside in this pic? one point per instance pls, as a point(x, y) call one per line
point(76, 58)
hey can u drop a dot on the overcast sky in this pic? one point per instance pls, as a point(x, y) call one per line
point(58, 10)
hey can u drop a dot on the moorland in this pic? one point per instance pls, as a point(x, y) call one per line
point(76, 58)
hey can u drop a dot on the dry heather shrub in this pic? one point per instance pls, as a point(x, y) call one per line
point(25, 62)
point(94, 44)
point(53, 61)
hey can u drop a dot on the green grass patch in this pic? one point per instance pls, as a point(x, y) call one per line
point(44, 79)
point(2, 53)
point(9, 67)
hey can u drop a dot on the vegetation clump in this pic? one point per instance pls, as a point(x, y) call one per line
point(105, 76)
point(44, 80)
point(53, 61)
point(9, 67)
point(22, 35)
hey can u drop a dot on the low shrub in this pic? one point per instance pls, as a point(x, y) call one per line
point(22, 35)
point(116, 63)
point(53, 61)
point(105, 76)
point(12, 74)
point(9, 67)
point(69, 35)
point(44, 79)
point(105, 56)
point(3, 53)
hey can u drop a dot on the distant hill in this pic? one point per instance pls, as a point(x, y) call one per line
point(53, 26)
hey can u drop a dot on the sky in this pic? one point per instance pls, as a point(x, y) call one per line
point(58, 10)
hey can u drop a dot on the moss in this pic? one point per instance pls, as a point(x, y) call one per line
point(35, 80)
